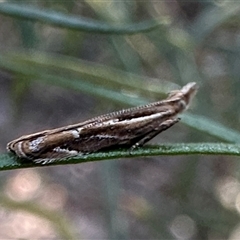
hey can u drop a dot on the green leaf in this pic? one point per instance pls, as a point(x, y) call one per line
point(10, 161)
point(74, 22)
point(94, 73)
point(210, 127)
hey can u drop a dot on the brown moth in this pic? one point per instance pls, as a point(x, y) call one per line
point(129, 128)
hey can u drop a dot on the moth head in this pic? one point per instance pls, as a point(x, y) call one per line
point(185, 94)
point(189, 91)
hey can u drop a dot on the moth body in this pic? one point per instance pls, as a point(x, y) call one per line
point(131, 127)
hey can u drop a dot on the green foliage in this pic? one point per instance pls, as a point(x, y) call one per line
point(56, 46)
point(72, 22)
point(10, 161)
point(51, 70)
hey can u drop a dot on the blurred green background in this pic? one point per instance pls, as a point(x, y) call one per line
point(62, 62)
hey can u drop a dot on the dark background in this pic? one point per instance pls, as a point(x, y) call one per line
point(167, 197)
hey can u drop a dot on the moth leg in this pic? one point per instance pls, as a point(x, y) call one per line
point(56, 154)
point(157, 129)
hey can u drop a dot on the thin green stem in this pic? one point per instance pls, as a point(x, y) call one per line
point(75, 22)
point(10, 161)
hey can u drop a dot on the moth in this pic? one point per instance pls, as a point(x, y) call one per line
point(128, 128)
